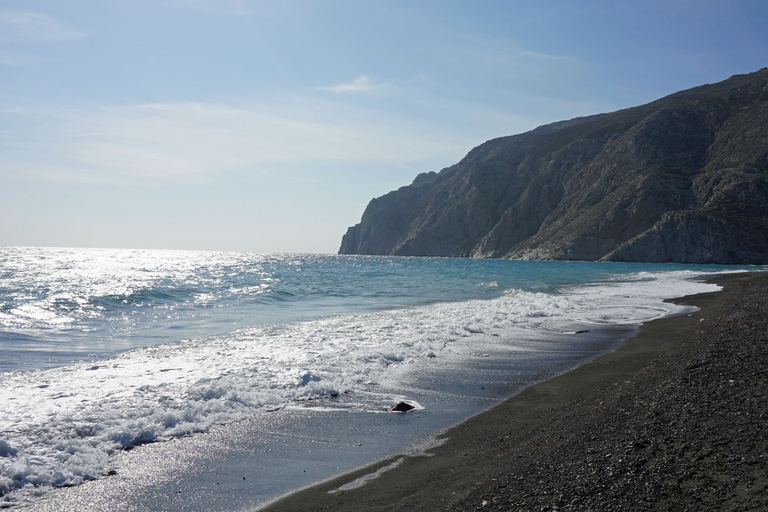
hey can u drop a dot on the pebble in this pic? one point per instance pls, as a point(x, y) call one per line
point(682, 435)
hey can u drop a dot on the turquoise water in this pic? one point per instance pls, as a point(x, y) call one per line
point(58, 306)
point(102, 350)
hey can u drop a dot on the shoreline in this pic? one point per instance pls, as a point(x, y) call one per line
point(249, 463)
point(673, 419)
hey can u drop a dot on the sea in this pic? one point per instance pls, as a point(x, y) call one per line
point(104, 351)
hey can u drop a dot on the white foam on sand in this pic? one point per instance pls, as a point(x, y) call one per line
point(359, 482)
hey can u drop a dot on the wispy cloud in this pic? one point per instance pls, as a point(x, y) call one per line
point(11, 59)
point(33, 27)
point(502, 54)
point(196, 142)
point(227, 7)
point(361, 84)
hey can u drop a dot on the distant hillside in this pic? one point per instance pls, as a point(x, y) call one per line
point(681, 179)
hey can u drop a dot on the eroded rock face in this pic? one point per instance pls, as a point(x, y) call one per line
point(682, 179)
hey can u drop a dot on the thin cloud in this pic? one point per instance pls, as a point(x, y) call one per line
point(154, 144)
point(33, 27)
point(501, 52)
point(235, 7)
point(10, 59)
point(547, 56)
point(361, 84)
point(496, 53)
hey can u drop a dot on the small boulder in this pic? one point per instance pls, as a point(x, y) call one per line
point(401, 407)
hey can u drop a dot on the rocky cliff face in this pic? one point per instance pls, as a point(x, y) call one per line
point(682, 179)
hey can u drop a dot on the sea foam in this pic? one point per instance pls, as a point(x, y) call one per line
point(59, 426)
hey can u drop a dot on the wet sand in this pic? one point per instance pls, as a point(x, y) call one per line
point(242, 465)
point(674, 419)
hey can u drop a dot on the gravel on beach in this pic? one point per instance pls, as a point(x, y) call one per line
point(675, 419)
point(687, 432)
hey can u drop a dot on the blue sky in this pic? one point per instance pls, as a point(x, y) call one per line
point(267, 126)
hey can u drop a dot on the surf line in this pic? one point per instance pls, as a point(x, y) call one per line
point(365, 478)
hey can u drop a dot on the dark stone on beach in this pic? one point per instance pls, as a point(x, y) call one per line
point(687, 432)
point(674, 420)
point(401, 407)
point(682, 179)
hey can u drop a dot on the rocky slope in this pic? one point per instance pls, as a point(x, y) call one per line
point(681, 179)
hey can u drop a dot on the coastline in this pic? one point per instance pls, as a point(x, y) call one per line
point(673, 419)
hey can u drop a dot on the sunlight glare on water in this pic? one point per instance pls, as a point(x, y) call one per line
point(106, 349)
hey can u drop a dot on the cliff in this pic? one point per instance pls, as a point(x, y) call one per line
point(681, 179)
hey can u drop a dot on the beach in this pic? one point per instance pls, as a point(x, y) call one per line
point(674, 419)
point(600, 416)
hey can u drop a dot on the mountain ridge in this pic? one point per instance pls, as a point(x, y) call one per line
point(681, 179)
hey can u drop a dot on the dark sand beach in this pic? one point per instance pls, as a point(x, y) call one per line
point(674, 419)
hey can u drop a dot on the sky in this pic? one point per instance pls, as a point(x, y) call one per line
point(267, 126)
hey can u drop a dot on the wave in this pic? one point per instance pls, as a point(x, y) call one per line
point(60, 426)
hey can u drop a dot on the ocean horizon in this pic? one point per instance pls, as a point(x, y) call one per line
point(103, 351)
